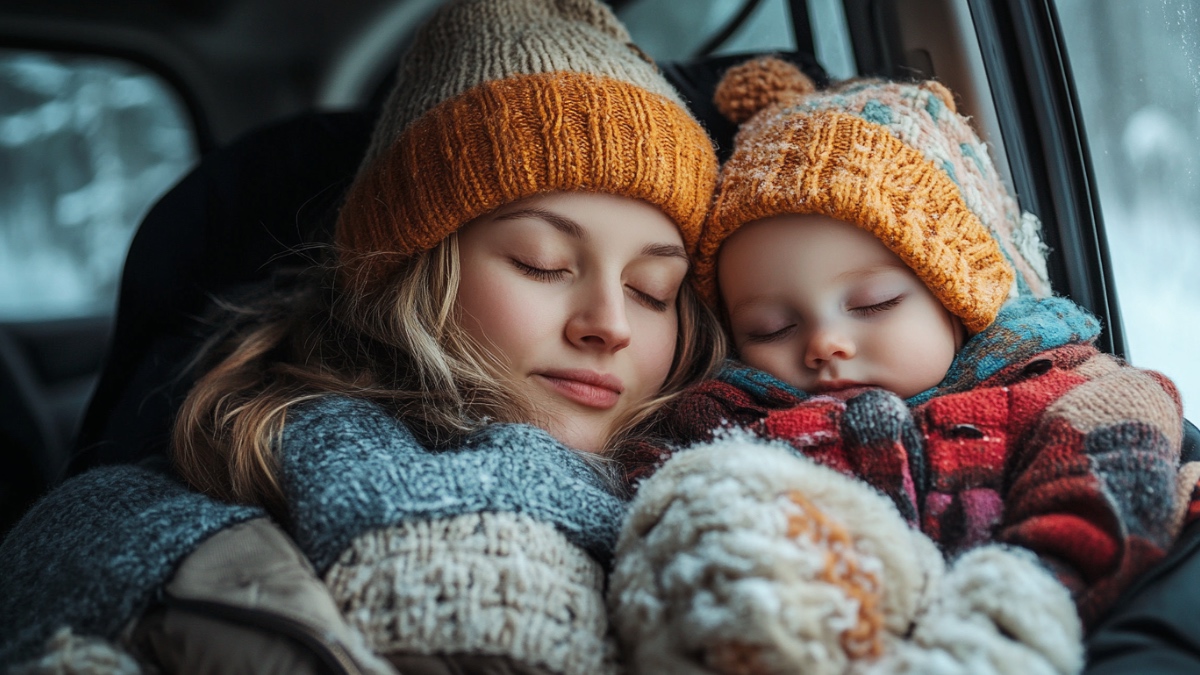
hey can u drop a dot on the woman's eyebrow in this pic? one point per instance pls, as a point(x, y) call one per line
point(573, 229)
point(666, 251)
point(555, 220)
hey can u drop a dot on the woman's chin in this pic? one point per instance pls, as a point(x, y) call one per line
point(582, 435)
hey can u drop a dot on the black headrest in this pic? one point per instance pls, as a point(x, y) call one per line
point(244, 211)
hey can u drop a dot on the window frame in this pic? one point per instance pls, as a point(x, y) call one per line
point(1040, 118)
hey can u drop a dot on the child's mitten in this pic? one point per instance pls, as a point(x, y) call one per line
point(741, 557)
point(996, 611)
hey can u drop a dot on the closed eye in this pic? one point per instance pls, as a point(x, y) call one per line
point(877, 307)
point(647, 300)
point(773, 336)
point(539, 273)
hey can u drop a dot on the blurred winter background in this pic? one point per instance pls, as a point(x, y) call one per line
point(86, 146)
point(1137, 68)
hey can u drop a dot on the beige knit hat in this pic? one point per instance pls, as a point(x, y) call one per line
point(499, 100)
point(895, 159)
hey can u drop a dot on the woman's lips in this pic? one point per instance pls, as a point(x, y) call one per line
point(585, 387)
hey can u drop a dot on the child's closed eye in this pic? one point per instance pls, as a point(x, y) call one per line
point(765, 337)
point(875, 308)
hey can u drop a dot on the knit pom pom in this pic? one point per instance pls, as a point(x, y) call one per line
point(754, 85)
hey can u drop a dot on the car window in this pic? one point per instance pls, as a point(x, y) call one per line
point(1137, 74)
point(87, 144)
point(670, 30)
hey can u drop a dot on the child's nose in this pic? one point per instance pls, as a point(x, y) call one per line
point(825, 344)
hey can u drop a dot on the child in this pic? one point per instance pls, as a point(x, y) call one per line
point(891, 309)
point(512, 250)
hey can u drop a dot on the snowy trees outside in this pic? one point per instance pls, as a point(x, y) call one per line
point(1137, 71)
point(86, 146)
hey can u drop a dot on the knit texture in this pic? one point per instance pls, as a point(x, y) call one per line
point(91, 554)
point(747, 559)
point(499, 584)
point(471, 42)
point(895, 159)
point(349, 468)
point(495, 548)
point(997, 611)
point(498, 100)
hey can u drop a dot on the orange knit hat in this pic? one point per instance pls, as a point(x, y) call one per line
point(895, 159)
point(498, 100)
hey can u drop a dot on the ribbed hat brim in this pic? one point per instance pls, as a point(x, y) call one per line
point(509, 139)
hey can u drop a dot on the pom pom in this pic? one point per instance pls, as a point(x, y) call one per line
point(755, 85)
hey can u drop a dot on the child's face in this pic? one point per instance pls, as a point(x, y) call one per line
point(824, 305)
point(576, 294)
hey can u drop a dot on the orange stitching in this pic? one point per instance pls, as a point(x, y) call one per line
point(842, 569)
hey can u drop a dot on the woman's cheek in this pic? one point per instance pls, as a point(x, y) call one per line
point(659, 332)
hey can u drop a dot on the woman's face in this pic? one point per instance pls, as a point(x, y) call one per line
point(575, 294)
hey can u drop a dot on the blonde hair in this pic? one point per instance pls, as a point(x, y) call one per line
point(399, 346)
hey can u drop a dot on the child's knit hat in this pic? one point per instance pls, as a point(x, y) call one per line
point(895, 159)
point(498, 100)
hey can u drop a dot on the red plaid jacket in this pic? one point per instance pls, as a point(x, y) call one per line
point(1068, 452)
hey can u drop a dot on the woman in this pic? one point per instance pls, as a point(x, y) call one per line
point(513, 250)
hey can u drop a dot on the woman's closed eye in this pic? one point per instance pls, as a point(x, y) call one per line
point(539, 273)
point(875, 308)
point(648, 301)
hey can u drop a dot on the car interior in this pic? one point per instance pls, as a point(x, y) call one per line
point(281, 96)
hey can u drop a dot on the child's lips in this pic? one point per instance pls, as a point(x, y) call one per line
point(836, 386)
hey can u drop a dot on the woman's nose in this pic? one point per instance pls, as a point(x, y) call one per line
point(599, 320)
point(827, 343)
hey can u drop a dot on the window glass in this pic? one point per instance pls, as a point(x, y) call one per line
point(1137, 73)
point(87, 144)
point(831, 38)
point(671, 30)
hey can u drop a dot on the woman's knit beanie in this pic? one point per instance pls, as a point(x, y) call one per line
point(499, 100)
point(895, 159)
